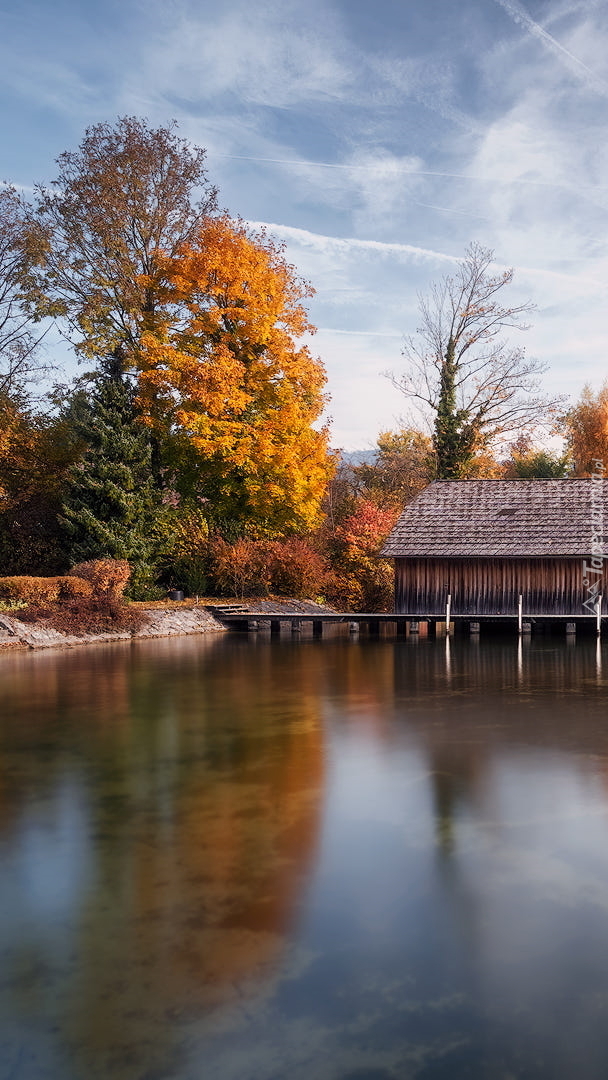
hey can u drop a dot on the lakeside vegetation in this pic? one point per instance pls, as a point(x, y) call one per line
point(192, 448)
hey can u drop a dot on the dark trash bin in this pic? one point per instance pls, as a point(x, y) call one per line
point(175, 594)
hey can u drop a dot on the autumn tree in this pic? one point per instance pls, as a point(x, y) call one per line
point(20, 362)
point(36, 451)
point(477, 387)
point(363, 581)
point(585, 427)
point(402, 466)
point(229, 384)
point(207, 317)
point(527, 461)
point(127, 197)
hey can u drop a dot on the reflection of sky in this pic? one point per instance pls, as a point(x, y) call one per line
point(45, 876)
point(49, 861)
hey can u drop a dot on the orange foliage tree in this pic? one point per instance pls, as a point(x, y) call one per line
point(586, 430)
point(226, 381)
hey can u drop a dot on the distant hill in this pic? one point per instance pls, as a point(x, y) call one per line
point(358, 457)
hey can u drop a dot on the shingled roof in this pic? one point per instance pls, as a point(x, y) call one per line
point(494, 518)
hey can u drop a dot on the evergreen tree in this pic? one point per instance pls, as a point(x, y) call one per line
point(110, 495)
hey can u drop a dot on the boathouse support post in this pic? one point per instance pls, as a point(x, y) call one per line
point(275, 627)
point(598, 615)
point(296, 626)
point(448, 608)
point(520, 614)
point(414, 627)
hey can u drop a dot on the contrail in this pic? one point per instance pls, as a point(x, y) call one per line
point(371, 168)
point(356, 333)
point(329, 244)
point(581, 191)
point(521, 17)
point(334, 243)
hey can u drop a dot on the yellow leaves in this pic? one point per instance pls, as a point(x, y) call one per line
point(233, 281)
point(586, 429)
point(220, 363)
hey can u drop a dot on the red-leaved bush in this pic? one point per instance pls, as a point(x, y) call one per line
point(86, 601)
point(289, 567)
point(363, 581)
point(109, 577)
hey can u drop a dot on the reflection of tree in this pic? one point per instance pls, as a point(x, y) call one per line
point(358, 689)
point(465, 706)
point(454, 778)
point(204, 810)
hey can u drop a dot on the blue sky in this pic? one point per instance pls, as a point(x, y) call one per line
point(376, 139)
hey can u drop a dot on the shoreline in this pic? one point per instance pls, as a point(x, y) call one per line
point(170, 620)
point(161, 622)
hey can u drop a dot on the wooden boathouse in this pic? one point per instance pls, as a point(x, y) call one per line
point(496, 549)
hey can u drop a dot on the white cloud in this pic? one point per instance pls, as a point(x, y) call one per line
point(429, 81)
point(363, 402)
point(276, 54)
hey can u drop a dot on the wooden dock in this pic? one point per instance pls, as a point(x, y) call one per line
point(239, 618)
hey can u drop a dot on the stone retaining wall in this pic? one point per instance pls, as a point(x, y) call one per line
point(161, 622)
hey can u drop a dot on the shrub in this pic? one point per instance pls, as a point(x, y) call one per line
point(296, 569)
point(73, 588)
point(240, 569)
point(86, 601)
point(143, 584)
point(363, 580)
point(94, 614)
point(10, 606)
point(35, 590)
point(183, 540)
point(43, 590)
point(288, 567)
point(363, 585)
point(109, 577)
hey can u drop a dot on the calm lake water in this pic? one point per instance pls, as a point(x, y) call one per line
point(235, 859)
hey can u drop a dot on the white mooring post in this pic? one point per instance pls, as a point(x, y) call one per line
point(520, 614)
point(598, 615)
point(448, 605)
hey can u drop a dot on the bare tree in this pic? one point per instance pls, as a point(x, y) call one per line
point(478, 388)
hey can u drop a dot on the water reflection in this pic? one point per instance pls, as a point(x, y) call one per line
point(160, 816)
point(253, 859)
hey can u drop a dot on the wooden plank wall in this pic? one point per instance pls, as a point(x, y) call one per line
point(490, 586)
